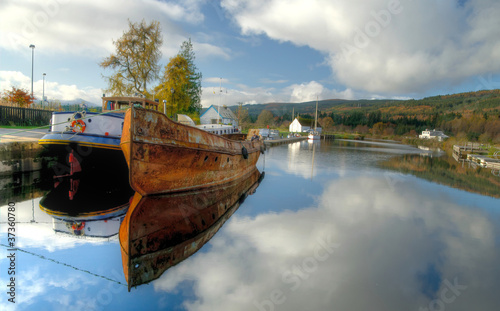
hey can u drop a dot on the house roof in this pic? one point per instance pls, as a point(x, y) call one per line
point(223, 111)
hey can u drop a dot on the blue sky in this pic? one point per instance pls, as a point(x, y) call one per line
point(264, 50)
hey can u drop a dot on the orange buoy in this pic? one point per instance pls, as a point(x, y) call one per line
point(78, 126)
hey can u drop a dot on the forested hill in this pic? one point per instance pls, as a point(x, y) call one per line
point(328, 105)
point(489, 101)
point(473, 115)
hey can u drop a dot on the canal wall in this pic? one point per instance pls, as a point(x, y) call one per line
point(23, 167)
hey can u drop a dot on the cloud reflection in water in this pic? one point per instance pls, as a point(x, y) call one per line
point(401, 246)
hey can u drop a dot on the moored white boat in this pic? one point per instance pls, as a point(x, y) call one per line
point(90, 129)
point(314, 135)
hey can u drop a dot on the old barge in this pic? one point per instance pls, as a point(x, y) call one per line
point(165, 156)
point(160, 231)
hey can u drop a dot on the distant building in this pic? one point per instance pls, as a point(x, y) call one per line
point(223, 115)
point(439, 135)
point(296, 127)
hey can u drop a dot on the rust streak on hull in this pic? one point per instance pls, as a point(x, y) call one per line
point(165, 156)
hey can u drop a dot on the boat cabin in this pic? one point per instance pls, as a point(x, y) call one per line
point(218, 129)
point(121, 103)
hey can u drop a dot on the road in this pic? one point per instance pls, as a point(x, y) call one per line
point(8, 135)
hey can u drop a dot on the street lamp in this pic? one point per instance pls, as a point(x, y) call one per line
point(172, 91)
point(32, 46)
point(43, 91)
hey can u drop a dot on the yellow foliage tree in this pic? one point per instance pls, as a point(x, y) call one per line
point(136, 61)
point(174, 85)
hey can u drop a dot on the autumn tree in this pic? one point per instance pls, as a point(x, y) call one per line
point(378, 128)
point(136, 59)
point(19, 97)
point(174, 85)
point(327, 123)
point(265, 118)
point(243, 116)
point(193, 88)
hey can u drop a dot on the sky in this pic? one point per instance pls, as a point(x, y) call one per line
point(262, 51)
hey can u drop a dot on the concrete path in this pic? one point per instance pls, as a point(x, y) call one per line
point(8, 135)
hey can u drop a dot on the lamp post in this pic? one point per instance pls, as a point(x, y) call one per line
point(43, 91)
point(32, 46)
point(172, 91)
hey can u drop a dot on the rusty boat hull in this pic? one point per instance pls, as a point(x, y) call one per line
point(165, 156)
point(160, 231)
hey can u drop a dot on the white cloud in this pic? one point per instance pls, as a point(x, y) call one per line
point(53, 90)
point(87, 27)
point(313, 90)
point(294, 93)
point(382, 244)
point(234, 94)
point(384, 46)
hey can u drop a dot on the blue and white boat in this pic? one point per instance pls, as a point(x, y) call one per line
point(90, 129)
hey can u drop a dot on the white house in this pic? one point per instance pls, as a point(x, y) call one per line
point(295, 126)
point(215, 115)
point(439, 135)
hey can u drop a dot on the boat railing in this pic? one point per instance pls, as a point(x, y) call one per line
point(122, 103)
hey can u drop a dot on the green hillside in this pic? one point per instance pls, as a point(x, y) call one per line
point(474, 116)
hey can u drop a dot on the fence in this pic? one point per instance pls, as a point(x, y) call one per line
point(24, 116)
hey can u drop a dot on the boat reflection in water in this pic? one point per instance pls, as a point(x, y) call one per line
point(88, 203)
point(159, 232)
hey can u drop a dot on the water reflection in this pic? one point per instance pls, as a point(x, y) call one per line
point(23, 174)
point(355, 237)
point(445, 170)
point(90, 204)
point(161, 231)
point(389, 248)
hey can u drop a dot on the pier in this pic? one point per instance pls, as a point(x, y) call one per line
point(275, 142)
point(475, 155)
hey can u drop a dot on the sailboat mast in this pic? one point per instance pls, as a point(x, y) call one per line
point(316, 117)
point(218, 106)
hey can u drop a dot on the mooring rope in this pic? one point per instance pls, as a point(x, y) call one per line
point(65, 264)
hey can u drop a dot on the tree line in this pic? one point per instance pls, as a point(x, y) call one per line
point(474, 116)
point(136, 67)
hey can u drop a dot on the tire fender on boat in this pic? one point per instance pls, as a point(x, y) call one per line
point(244, 152)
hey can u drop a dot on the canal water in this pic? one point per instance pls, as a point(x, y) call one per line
point(333, 225)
